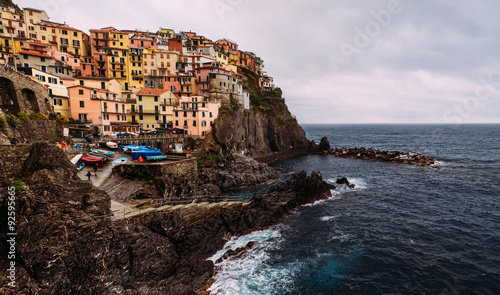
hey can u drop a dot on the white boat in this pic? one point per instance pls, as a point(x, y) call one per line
point(111, 145)
point(119, 161)
point(76, 158)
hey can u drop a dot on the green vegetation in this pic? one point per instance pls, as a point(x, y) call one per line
point(60, 119)
point(3, 280)
point(19, 184)
point(3, 123)
point(23, 117)
point(12, 120)
point(210, 161)
point(39, 116)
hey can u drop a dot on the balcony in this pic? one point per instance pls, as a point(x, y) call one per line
point(100, 97)
point(130, 100)
point(118, 61)
point(149, 111)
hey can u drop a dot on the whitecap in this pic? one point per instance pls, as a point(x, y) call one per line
point(250, 273)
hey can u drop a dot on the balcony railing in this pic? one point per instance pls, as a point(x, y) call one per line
point(149, 111)
point(100, 97)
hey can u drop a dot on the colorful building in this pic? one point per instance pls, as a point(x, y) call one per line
point(105, 110)
point(196, 115)
point(151, 111)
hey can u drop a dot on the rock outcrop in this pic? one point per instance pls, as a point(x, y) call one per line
point(413, 158)
point(67, 243)
point(324, 144)
point(206, 184)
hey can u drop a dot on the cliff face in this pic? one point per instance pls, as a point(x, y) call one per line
point(267, 127)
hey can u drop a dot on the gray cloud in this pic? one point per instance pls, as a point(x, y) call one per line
point(427, 60)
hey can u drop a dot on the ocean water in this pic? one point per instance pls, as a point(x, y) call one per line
point(402, 230)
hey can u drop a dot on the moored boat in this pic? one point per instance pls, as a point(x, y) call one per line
point(111, 145)
point(104, 153)
point(119, 161)
point(76, 158)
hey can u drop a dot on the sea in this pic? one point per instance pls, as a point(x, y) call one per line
point(402, 230)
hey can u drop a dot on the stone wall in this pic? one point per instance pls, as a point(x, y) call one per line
point(145, 171)
point(12, 158)
point(19, 93)
point(37, 130)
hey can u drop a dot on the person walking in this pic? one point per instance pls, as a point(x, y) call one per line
point(95, 169)
point(89, 174)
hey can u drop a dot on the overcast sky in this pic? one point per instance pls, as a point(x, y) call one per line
point(340, 61)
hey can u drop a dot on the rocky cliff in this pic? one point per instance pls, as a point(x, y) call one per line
point(68, 244)
point(267, 127)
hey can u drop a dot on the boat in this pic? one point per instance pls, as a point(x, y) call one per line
point(76, 158)
point(80, 167)
point(91, 160)
point(111, 145)
point(119, 161)
point(104, 153)
point(156, 158)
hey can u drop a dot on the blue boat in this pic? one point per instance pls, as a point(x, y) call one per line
point(156, 158)
point(81, 166)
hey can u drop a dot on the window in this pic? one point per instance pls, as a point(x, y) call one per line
point(194, 114)
point(210, 114)
point(140, 97)
point(141, 117)
point(185, 114)
point(176, 123)
point(82, 104)
point(156, 98)
point(43, 68)
point(80, 91)
point(76, 43)
point(81, 82)
point(64, 32)
point(64, 41)
point(117, 118)
point(194, 123)
point(177, 114)
point(103, 85)
point(75, 34)
point(157, 118)
point(185, 123)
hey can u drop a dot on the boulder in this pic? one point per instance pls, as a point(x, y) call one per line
point(324, 145)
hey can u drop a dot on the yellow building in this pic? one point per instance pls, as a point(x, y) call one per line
point(160, 62)
point(152, 110)
point(165, 33)
point(66, 38)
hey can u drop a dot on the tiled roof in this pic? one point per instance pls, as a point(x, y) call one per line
point(35, 53)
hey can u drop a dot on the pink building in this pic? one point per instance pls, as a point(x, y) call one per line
point(101, 108)
point(196, 115)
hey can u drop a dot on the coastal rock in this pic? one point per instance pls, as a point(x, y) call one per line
point(68, 244)
point(324, 145)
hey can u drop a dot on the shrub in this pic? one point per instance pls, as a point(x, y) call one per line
point(39, 116)
point(23, 117)
point(3, 123)
point(12, 120)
